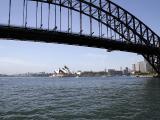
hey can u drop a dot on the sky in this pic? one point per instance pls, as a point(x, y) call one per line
point(20, 57)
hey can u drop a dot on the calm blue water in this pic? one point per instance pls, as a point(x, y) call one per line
point(112, 98)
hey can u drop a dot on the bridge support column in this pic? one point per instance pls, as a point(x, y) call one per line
point(158, 68)
point(158, 62)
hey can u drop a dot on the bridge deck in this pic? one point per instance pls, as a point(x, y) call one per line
point(39, 35)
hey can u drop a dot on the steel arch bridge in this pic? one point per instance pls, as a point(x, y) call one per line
point(101, 24)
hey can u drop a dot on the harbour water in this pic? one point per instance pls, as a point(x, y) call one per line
point(107, 98)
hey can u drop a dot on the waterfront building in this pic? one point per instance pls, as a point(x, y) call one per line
point(137, 67)
point(149, 67)
point(113, 72)
point(126, 71)
point(142, 66)
point(133, 68)
point(78, 73)
point(63, 72)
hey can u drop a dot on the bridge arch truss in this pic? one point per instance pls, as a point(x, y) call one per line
point(120, 24)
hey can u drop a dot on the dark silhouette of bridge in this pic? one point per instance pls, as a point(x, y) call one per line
point(102, 24)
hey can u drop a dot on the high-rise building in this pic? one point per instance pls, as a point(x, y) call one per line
point(137, 67)
point(149, 67)
point(126, 71)
point(142, 66)
point(133, 67)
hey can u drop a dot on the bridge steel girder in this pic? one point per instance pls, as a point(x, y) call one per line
point(35, 35)
point(119, 20)
point(133, 32)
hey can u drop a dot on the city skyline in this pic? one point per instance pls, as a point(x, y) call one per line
point(20, 57)
point(141, 67)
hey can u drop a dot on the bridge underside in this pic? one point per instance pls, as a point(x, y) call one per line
point(97, 23)
point(38, 35)
point(35, 35)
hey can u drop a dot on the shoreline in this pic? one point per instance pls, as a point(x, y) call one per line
point(140, 76)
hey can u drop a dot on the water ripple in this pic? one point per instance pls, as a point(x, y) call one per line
point(112, 98)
